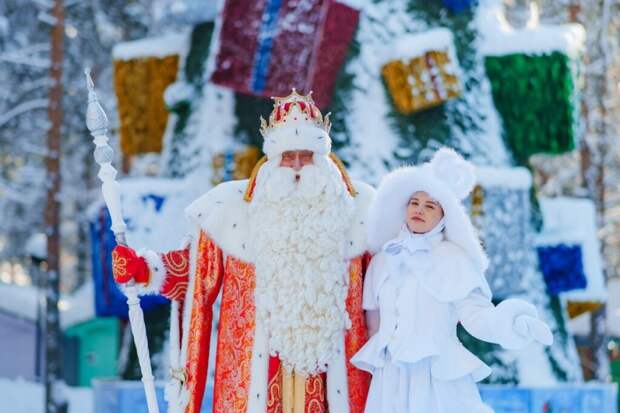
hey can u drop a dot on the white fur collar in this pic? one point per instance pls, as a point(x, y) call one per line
point(450, 275)
point(223, 214)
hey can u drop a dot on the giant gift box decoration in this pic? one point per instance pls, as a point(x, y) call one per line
point(534, 76)
point(421, 71)
point(268, 46)
point(499, 205)
point(579, 279)
point(143, 70)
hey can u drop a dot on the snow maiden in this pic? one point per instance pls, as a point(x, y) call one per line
point(426, 277)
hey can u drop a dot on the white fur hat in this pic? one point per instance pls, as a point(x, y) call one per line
point(295, 124)
point(447, 178)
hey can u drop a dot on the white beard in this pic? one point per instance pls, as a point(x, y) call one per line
point(299, 235)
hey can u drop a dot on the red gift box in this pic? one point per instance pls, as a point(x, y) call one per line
point(268, 47)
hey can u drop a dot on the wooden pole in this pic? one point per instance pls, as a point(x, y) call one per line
point(54, 403)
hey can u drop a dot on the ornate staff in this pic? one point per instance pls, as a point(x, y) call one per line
point(97, 123)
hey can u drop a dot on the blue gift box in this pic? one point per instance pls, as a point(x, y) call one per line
point(562, 267)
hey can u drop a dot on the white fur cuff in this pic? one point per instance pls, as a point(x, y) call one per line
point(158, 272)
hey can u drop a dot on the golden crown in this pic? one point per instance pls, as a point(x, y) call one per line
point(282, 107)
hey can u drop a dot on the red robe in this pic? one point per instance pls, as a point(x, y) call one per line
point(217, 270)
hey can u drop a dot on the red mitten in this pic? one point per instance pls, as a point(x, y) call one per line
point(127, 265)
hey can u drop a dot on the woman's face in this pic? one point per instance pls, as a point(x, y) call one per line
point(423, 213)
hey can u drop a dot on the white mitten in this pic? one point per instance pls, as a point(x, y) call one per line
point(534, 329)
point(507, 312)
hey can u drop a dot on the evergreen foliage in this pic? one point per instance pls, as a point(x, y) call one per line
point(427, 130)
point(248, 110)
point(181, 154)
point(535, 95)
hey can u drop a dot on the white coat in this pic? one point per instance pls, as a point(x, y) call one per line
point(417, 362)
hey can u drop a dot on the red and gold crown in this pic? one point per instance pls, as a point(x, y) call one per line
point(301, 108)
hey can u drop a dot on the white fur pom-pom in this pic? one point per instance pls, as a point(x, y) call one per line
point(457, 173)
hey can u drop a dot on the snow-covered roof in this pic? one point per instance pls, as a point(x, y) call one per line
point(170, 44)
point(417, 44)
point(573, 221)
point(512, 178)
point(499, 38)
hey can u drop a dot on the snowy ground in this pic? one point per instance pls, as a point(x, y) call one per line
point(26, 397)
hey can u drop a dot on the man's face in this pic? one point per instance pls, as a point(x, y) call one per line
point(297, 159)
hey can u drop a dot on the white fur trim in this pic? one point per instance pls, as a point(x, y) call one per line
point(223, 214)
point(173, 387)
point(388, 211)
point(172, 394)
point(259, 371)
point(175, 351)
point(186, 242)
point(296, 135)
point(158, 272)
point(357, 242)
point(337, 382)
point(454, 171)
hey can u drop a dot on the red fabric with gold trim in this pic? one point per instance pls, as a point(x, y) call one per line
point(236, 335)
point(316, 394)
point(235, 338)
point(356, 337)
point(177, 274)
point(315, 400)
point(274, 388)
point(209, 273)
point(126, 264)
